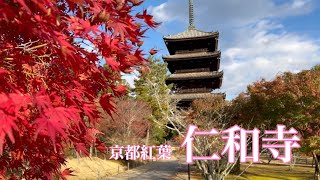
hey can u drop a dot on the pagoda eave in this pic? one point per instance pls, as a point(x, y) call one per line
point(191, 34)
point(194, 63)
point(195, 75)
point(192, 96)
point(191, 56)
point(189, 38)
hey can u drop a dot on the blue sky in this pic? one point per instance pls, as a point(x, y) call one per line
point(258, 38)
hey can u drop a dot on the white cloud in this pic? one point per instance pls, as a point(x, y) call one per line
point(229, 12)
point(258, 52)
point(130, 78)
point(254, 43)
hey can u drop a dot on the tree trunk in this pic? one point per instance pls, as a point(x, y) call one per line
point(78, 157)
point(293, 162)
point(209, 173)
point(236, 167)
point(213, 177)
point(270, 157)
point(317, 166)
point(147, 138)
point(91, 149)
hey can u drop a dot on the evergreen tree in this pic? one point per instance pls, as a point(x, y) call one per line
point(151, 88)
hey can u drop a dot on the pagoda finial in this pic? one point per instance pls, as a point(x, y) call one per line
point(191, 15)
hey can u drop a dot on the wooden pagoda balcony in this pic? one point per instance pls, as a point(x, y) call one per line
point(192, 51)
point(192, 96)
point(195, 75)
point(198, 50)
point(193, 90)
point(191, 55)
point(192, 70)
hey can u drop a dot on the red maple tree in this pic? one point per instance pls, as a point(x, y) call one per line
point(51, 76)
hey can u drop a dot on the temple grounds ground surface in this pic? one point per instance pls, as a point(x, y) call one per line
point(93, 168)
point(176, 169)
point(96, 168)
point(275, 171)
point(261, 172)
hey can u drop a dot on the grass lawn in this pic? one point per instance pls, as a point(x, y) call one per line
point(92, 168)
point(275, 171)
point(261, 172)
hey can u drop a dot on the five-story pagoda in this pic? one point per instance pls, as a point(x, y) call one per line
point(194, 63)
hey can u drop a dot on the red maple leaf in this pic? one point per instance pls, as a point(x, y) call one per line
point(3, 71)
point(119, 28)
point(51, 76)
point(65, 173)
point(137, 2)
point(81, 148)
point(120, 90)
point(7, 124)
point(106, 103)
point(153, 51)
point(148, 19)
point(112, 62)
point(101, 146)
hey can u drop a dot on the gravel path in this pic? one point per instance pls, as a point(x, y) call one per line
point(154, 170)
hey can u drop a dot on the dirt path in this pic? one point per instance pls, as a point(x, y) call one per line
point(154, 170)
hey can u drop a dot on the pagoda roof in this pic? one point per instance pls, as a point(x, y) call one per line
point(195, 75)
point(191, 55)
point(191, 96)
point(191, 33)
